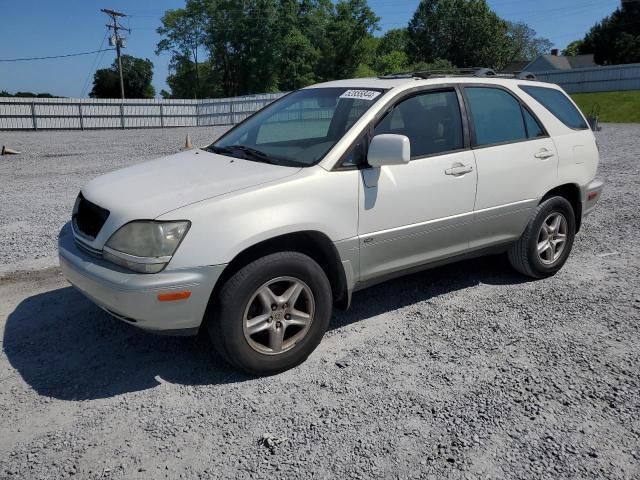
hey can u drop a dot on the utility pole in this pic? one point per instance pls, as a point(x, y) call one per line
point(117, 40)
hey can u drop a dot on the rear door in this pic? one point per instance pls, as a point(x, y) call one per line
point(418, 212)
point(516, 161)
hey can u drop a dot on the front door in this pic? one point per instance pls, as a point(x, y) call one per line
point(418, 212)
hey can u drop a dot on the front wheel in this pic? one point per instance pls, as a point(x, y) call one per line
point(546, 243)
point(272, 313)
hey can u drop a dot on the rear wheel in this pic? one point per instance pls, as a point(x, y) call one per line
point(546, 243)
point(271, 314)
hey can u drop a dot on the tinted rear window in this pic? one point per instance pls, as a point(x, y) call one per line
point(557, 103)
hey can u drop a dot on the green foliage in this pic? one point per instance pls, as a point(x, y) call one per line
point(265, 45)
point(4, 93)
point(186, 83)
point(348, 39)
point(616, 39)
point(395, 61)
point(445, 66)
point(137, 74)
point(298, 59)
point(572, 49)
point(257, 46)
point(184, 32)
point(466, 32)
point(363, 71)
point(523, 42)
point(469, 34)
point(615, 107)
point(394, 40)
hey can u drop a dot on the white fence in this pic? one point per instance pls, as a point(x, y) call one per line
point(597, 79)
point(84, 114)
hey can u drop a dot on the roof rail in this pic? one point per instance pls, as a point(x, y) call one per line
point(519, 75)
point(458, 72)
point(443, 72)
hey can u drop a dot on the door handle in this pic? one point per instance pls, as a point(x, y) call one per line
point(458, 169)
point(544, 154)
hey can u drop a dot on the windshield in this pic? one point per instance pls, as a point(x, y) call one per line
point(300, 128)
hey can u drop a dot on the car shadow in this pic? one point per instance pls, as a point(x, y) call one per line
point(65, 347)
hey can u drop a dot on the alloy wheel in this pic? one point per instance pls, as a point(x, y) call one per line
point(278, 315)
point(552, 238)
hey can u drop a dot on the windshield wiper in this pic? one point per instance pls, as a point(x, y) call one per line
point(253, 153)
point(250, 153)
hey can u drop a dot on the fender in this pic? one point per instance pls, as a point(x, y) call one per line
point(225, 226)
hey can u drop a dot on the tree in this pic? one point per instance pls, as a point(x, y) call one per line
point(184, 30)
point(348, 37)
point(616, 39)
point(137, 75)
point(4, 93)
point(440, 64)
point(394, 40)
point(523, 42)
point(390, 52)
point(242, 41)
point(395, 61)
point(182, 75)
point(297, 61)
point(572, 49)
point(465, 32)
point(301, 25)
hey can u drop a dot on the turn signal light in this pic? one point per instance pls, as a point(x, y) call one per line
point(173, 296)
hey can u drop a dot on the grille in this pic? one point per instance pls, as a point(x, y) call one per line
point(88, 218)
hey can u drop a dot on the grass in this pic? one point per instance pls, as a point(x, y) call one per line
point(615, 107)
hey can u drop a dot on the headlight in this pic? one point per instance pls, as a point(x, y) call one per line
point(145, 246)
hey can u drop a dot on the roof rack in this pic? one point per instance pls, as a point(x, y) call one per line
point(458, 72)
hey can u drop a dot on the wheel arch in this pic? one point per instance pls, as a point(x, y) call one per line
point(312, 243)
point(571, 192)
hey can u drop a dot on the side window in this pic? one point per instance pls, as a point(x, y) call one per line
point(431, 120)
point(496, 116)
point(558, 104)
point(534, 130)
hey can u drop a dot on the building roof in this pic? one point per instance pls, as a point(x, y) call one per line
point(551, 62)
point(582, 61)
point(560, 62)
point(516, 66)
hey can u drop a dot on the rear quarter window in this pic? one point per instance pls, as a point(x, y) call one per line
point(558, 104)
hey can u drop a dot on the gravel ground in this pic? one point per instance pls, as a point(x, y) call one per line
point(39, 186)
point(466, 371)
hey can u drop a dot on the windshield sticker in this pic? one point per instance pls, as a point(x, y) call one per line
point(360, 94)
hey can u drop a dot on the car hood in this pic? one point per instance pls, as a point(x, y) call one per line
point(149, 189)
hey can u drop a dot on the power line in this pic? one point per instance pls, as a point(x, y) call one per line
point(94, 64)
point(53, 56)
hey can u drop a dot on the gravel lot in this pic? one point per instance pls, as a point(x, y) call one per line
point(39, 187)
point(467, 371)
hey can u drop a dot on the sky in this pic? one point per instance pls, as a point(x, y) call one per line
point(37, 28)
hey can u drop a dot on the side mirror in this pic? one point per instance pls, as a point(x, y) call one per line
point(389, 149)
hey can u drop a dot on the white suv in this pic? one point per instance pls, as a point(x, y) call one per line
point(326, 191)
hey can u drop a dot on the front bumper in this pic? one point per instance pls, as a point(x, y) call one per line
point(590, 196)
point(133, 297)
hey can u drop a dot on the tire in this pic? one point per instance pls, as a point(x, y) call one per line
point(523, 255)
point(284, 337)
